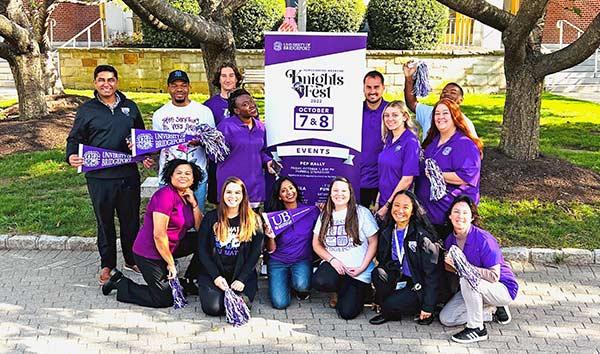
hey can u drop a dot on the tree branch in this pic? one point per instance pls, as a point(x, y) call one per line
point(517, 33)
point(6, 52)
point(196, 27)
point(482, 11)
point(14, 34)
point(572, 54)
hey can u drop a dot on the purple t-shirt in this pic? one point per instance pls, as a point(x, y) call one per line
point(482, 250)
point(371, 144)
point(295, 243)
point(247, 156)
point(181, 218)
point(219, 108)
point(397, 159)
point(459, 155)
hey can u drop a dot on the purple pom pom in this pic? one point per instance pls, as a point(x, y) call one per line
point(236, 310)
point(421, 85)
point(436, 180)
point(464, 268)
point(214, 142)
point(179, 300)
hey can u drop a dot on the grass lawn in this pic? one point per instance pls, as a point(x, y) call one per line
point(42, 195)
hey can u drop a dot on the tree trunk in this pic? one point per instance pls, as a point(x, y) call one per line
point(215, 55)
point(521, 122)
point(28, 74)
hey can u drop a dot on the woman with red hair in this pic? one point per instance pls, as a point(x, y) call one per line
point(451, 164)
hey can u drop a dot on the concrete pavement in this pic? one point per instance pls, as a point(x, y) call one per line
point(50, 303)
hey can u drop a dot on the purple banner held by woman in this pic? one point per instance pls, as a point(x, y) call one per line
point(279, 221)
point(95, 158)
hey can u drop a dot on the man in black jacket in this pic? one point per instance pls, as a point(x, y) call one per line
point(105, 121)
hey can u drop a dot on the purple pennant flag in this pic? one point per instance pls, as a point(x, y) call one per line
point(145, 141)
point(95, 158)
point(278, 221)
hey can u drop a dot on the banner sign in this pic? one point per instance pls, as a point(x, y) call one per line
point(145, 141)
point(95, 158)
point(313, 107)
point(279, 221)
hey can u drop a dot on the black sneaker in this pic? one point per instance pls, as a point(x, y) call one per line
point(189, 288)
point(470, 335)
point(111, 283)
point(302, 295)
point(502, 315)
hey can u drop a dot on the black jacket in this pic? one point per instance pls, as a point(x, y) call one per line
point(247, 257)
point(97, 125)
point(424, 270)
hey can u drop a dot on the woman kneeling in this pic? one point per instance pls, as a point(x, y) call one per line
point(485, 279)
point(230, 243)
point(407, 277)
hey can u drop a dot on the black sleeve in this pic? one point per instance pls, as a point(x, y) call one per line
point(138, 122)
point(254, 254)
point(432, 274)
point(204, 245)
point(78, 134)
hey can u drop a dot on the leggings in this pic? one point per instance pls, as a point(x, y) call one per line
point(351, 292)
point(212, 298)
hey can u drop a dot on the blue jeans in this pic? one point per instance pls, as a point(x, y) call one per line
point(199, 193)
point(280, 275)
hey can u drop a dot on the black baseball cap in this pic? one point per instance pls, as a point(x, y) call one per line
point(178, 75)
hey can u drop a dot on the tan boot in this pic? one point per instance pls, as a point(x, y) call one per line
point(333, 298)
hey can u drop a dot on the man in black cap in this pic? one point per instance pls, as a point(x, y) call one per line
point(182, 115)
point(106, 121)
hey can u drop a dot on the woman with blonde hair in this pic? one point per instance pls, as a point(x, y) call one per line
point(230, 243)
point(398, 162)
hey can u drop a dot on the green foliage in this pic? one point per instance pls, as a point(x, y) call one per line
point(248, 24)
point(406, 24)
point(252, 19)
point(334, 16)
point(170, 39)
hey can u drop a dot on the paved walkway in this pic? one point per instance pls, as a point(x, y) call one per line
point(50, 303)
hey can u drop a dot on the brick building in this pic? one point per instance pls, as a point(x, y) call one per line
point(556, 11)
point(68, 19)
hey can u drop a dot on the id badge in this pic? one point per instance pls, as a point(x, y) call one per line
point(400, 285)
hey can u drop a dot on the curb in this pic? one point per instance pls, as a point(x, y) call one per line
point(570, 256)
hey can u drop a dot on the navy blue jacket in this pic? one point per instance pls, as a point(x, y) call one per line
point(97, 125)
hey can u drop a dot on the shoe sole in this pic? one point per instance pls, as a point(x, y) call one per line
point(467, 341)
point(126, 267)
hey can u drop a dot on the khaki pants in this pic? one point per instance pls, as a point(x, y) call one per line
point(467, 306)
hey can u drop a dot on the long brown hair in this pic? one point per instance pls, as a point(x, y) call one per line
point(459, 122)
point(351, 222)
point(248, 222)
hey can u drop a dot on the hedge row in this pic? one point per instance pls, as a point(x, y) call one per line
point(392, 24)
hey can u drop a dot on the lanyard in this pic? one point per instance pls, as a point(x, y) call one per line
point(400, 248)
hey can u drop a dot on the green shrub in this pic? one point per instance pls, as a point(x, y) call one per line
point(406, 24)
point(171, 39)
point(253, 18)
point(334, 16)
point(248, 24)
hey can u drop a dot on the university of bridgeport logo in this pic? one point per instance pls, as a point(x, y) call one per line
point(144, 141)
point(277, 46)
point(91, 158)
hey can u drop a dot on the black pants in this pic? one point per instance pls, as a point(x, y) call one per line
point(158, 291)
point(368, 196)
point(394, 303)
point(351, 292)
point(123, 196)
point(212, 298)
point(211, 194)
